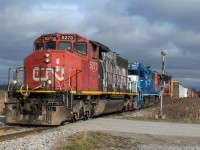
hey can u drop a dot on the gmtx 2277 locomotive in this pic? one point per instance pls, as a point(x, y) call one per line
point(68, 77)
point(147, 83)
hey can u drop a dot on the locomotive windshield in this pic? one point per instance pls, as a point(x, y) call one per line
point(39, 46)
point(132, 72)
point(64, 45)
point(80, 47)
point(51, 45)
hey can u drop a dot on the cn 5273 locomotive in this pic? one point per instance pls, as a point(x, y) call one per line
point(68, 77)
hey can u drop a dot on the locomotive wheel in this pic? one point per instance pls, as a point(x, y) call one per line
point(73, 119)
point(85, 116)
point(157, 99)
point(129, 107)
point(147, 102)
point(123, 109)
point(143, 104)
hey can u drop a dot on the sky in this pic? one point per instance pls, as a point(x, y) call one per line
point(138, 30)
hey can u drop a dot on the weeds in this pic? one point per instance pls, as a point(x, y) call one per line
point(178, 110)
point(187, 109)
point(2, 99)
point(95, 140)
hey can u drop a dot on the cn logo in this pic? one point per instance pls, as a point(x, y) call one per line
point(43, 74)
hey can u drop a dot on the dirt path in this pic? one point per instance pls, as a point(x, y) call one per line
point(144, 127)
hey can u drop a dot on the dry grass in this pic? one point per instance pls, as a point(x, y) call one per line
point(186, 109)
point(2, 99)
point(178, 110)
point(96, 140)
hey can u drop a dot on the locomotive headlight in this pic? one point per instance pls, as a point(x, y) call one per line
point(14, 82)
point(47, 55)
point(49, 82)
point(47, 60)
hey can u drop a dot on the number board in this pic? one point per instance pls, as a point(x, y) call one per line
point(67, 37)
point(47, 38)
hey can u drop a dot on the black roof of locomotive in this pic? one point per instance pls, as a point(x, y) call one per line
point(102, 47)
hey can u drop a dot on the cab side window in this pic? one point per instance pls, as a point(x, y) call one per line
point(141, 74)
point(94, 51)
point(80, 47)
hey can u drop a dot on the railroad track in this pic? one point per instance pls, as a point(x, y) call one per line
point(20, 134)
point(6, 128)
point(16, 133)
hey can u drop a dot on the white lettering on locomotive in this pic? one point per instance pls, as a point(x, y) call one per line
point(42, 74)
point(93, 65)
point(47, 38)
point(57, 61)
point(67, 37)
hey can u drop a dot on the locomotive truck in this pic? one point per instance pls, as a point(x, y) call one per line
point(68, 77)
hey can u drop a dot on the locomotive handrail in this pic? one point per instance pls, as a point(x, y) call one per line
point(16, 78)
point(37, 87)
point(26, 90)
point(76, 77)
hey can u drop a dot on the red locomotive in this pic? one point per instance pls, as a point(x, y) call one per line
point(67, 77)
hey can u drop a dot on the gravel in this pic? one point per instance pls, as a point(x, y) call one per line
point(45, 140)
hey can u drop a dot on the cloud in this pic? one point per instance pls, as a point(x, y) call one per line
point(136, 29)
point(183, 14)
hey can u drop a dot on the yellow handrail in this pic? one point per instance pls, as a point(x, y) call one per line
point(37, 87)
point(26, 92)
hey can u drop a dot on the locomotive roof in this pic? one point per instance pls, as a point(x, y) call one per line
point(102, 47)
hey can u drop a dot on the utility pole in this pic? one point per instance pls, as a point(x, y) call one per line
point(163, 53)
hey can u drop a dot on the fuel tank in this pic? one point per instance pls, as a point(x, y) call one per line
point(108, 106)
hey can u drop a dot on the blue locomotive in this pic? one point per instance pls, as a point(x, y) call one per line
point(147, 82)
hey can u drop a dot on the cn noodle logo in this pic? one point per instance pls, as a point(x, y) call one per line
point(43, 74)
